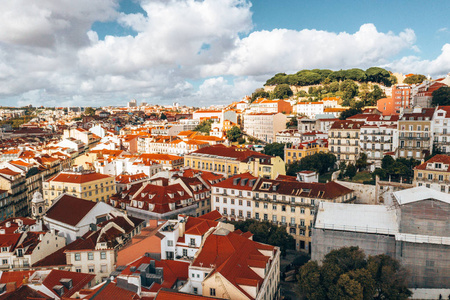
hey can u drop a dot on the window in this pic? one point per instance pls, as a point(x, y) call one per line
point(77, 256)
point(232, 201)
point(265, 205)
point(90, 256)
point(240, 202)
point(212, 292)
point(430, 176)
point(292, 209)
point(78, 269)
point(274, 218)
point(257, 216)
point(91, 269)
point(248, 203)
point(302, 210)
point(195, 290)
point(185, 252)
point(4, 261)
point(169, 243)
point(192, 242)
point(102, 255)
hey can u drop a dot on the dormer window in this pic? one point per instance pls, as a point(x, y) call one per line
point(438, 165)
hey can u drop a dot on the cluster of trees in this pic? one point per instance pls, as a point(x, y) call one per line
point(319, 162)
point(400, 167)
point(267, 233)
point(347, 273)
point(89, 111)
point(204, 127)
point(441, 96)
point(235, 135)
point(415, 79)
point(317, 76)
point(274, 149)
point(292, 123)
point(16, 122)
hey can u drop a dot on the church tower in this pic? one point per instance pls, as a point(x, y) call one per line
point(37, 206)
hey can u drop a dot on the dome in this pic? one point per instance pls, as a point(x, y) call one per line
point(37, 197)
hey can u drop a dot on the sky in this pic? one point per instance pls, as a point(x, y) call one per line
point(204, 52)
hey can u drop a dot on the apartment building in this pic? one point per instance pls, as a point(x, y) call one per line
point(263, 105)
point(377, 141)
point(229, 161)
point(264, 126)
point(344, 140)
point(424, 93)
point(87, 185)
point(292, 136)
point(309, 109)
point(415, 130)
point(296, 152)
point(434, 173)
point(284, 202)
point(230, 265)
point(441, 131)
point(16, 203)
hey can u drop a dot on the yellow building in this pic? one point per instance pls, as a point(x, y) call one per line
point(297, 152)
point(87, 185)
point(233, 160)
point(434, 173)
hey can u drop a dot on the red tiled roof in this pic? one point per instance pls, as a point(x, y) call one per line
point(347, 125)
point(240, 182)
point(15, 276)
point(79, 280)
point(164, 294)
point(439, 158)
point(69, 210)
point(213, 215)
point(78, 177)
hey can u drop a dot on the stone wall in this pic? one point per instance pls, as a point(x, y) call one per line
point(365, 193)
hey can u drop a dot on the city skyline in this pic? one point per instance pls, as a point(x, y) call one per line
point(203, 52)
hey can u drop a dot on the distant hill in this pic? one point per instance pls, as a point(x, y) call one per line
point(325, 76)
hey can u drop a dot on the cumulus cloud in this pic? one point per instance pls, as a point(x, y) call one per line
point(49, 54)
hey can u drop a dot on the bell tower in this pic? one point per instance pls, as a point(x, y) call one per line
point(37, 206)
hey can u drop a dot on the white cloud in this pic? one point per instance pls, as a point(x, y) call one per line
point(54, 57)
point(282, 50)
point(413, 64)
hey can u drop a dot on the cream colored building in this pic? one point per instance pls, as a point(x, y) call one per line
point(284, 202)
point(229, 161)
point(434, 173)
point(264, 126)
point(87, 185)
point(344, 140)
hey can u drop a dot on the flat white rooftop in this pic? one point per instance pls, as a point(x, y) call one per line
point(357, 217)
point(420, 193)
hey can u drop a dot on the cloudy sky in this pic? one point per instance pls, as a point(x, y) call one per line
point(106, 52)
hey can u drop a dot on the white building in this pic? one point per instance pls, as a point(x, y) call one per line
point(441, 130)
point(310, 109)
point(378, 141)
point(264, 126)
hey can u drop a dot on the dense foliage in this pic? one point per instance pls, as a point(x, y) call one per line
point(320, 162)
point(204, 127)
point(441, 96)
point(324, 76)
point(267, 233)
point(398, 168)
point(234, 134)
point(282, 91)
point(274, 149)
point(415, 79)
point(347, 273)
point(89, 111)
point(259, 93)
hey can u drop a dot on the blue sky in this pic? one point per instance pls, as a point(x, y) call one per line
point(204, 52)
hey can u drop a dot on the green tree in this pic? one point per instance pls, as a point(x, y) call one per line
point(204, 126)
point(163, 116)
point(441, 96)
point(346, 273)
point(334, 87)
point(267, 233)
point(277, 79)
point(89, 111)
point(389, 277)
point(350, 171)
point(320, 162)
point(282, 91)
point(350, 89)
point(386, 162)
point(292, 123)
point(234, 134)
point(259, 93)
point(376, 94)
point(274, 149)
point(379, 75)
point(361, 162)
point(349, 112)
point(415, 79)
